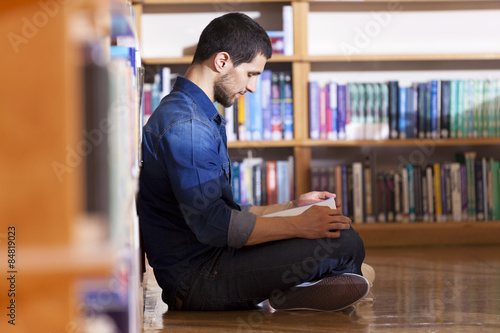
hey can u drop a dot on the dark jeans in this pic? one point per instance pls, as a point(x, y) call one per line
point(239, 279)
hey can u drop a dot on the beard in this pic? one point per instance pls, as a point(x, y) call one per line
point(222, 91)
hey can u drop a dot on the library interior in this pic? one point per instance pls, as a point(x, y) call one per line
point(392, 105)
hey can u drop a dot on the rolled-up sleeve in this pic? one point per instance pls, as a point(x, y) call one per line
point(241, 226)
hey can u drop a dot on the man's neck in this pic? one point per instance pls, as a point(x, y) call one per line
point(203, 77)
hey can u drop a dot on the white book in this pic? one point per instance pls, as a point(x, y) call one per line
point(456, 192)
point(288, 30)
point(299, 210)
point(357, 185)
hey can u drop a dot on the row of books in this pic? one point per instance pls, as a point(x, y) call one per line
point(260, 182)
point(402, 110)
point(436, 192)
point(266, 114)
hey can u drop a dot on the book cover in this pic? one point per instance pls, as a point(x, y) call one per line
point(314, 121)
point(299, 210)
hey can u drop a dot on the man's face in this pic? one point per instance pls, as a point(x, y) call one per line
point(238, 80)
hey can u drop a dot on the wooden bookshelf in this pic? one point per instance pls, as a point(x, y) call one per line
point(302, 65)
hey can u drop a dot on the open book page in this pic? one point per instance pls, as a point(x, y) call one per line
point(298, 210)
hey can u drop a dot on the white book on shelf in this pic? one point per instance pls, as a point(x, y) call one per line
point(288, 30)
point(299, 210)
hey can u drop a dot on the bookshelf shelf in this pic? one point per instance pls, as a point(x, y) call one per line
point(401, 57)
point(402, 142)
point(263, 144)
point(427, 234)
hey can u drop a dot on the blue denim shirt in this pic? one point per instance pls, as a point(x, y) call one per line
point(185, 203)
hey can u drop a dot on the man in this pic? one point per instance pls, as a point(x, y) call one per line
point(208, 252)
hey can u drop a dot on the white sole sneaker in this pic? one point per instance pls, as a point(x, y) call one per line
point(332, 293)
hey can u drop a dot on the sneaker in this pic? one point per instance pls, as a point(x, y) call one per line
point(368, 272)
point(331, 293)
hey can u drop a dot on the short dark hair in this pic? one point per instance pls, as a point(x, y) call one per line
point(238, 35)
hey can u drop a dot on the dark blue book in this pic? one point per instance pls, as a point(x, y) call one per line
point(422, 90)
point(445, 108)
point(342, 109)
point(394, 109)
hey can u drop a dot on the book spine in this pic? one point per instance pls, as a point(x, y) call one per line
point(288, 30)
point(495, 185)
point(314, 110)
point(445, 108)
point(257, 184)
point(479, 191)
point(461, 110)
point(283, 178)
point(256, 111)
point(276, 117)
point(266, 104)
point(350, 192)
point(291, 176)
point(384, 118)
point(453, 108)
point(456, 195)
point(425, 201)
point(478, 109)
point(369, 123)
point(419, 209)
point(394, 109)
point(411, 193)
point(341, 105)
point(389, 191)
point(357, 179)
point(404, 191)
point(235, 181)
point(435, 113)
point(377, 111)
point(338, 185)
point(447, 213)
point(465, 191)
point(421, 110)
point(398, 213)
point(332, 102)
point(438, 204)
point(288, 101)
point(315, 179)
point(429, 175)
point(353, 130)
point(484, 165)
point(323, 132)
point(272, 183)
point(382, 197)
point(471, 185)
point(403, 104)
point(369, 214)
point(428, 115)
point(241, 118)
point(345, 190)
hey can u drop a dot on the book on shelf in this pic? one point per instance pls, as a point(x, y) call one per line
point(258, 182)
point(435, 109)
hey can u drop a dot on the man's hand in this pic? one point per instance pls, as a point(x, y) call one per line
point(320, 222)
point(311, 197)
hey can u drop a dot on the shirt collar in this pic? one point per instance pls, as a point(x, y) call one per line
point(200, 98)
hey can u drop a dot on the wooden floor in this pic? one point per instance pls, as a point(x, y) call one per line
point(450, 289)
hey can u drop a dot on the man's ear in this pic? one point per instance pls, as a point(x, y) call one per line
point(222, 62)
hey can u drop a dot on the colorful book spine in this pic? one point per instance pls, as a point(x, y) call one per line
point(435, 113)
point(429, 175)
point(421, 110)
point(456, 195)
point(288, 105)
point(495, 186)
point(438, 204)
point(478, 109)
point(384, 111)
point(332, 103)
point(369, 118)
point(403, 105)
point(314, 91)
point(353, 126)
point(256, 116)
point(272, 183)
point(389, 185)
point(464, 186)
point(411, 193)
point(461, 110)
point(453, 108)
point(323, 132)
point(276, 116)
point(479, 188)
point(266, 104)
point(405, 202)
point(341, 106)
